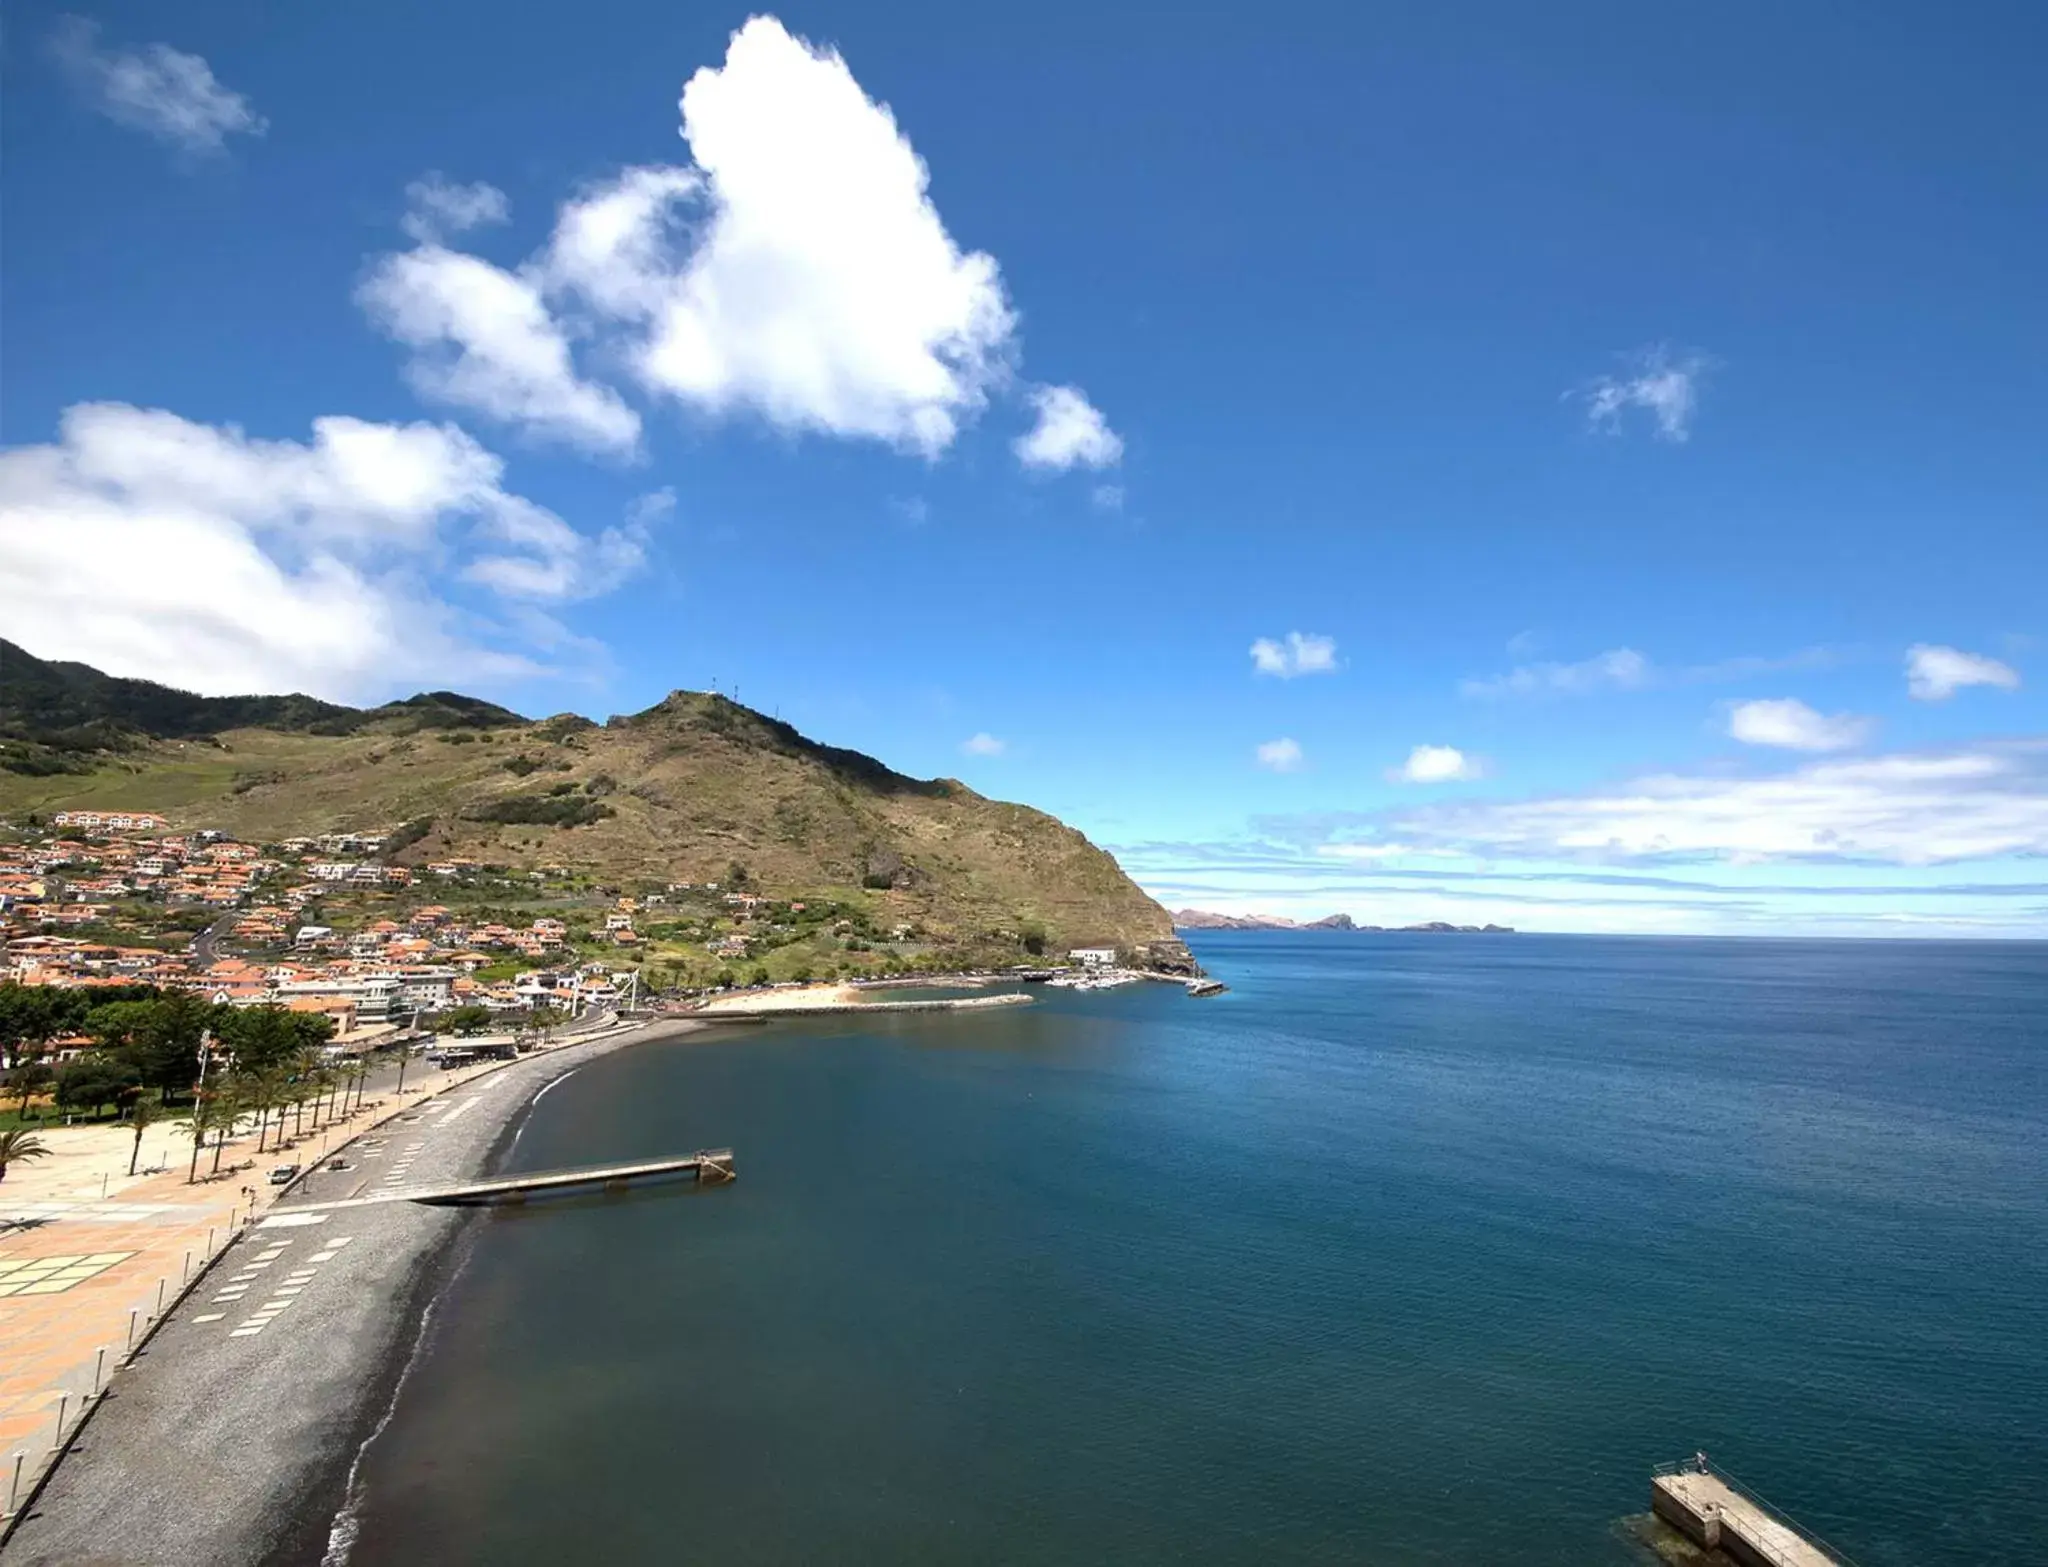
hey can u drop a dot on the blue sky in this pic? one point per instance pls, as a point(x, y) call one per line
point(1573, 466)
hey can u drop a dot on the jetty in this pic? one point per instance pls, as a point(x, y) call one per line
point(1712, 1509)
point(708, 1167)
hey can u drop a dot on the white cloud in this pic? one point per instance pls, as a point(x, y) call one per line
point(1618, 669)
point(1434, 764)
point(1934, 674)
point(1301, 653)
point(1792, 725)
point(1279, 756)
point(798, 267)
point(1911, 808)
point(1654, 383)
point(1107, 497)
point(155, 89)
point(483, 338)
point(436, 208)
point(983, 744)
point(151, 545)
point(552, 561)
point(1070, 432)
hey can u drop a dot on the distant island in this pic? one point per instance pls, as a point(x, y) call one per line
point(1201, 919)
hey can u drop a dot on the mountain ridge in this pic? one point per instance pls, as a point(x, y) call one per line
point(688, 790)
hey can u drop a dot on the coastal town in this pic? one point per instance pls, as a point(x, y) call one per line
point(332, 925)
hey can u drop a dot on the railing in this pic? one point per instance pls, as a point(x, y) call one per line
point(1772, 1513)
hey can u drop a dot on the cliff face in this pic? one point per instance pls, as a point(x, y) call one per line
point(680, 792)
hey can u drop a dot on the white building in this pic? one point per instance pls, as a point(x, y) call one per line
point(1093, 957)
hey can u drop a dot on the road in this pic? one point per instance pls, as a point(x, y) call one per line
point(228, 1441)
point(206, 945)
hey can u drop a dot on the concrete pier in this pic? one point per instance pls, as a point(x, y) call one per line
point(711, 1167)
point(1711, 1511)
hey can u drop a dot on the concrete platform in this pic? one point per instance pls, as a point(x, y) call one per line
point(1711, 1512)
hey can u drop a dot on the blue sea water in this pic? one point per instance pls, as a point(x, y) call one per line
point(1410, 1249)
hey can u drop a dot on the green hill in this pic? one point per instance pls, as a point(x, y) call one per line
point(677, 793)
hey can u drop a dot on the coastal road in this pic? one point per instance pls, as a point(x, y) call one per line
point(229, 1440)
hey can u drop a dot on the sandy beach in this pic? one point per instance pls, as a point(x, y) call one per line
point(807, 998)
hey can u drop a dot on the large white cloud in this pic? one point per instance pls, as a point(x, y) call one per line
point(796, 268)
point(159, 90)
point(1934, 674)
point(151, 545)
point(1909, 808)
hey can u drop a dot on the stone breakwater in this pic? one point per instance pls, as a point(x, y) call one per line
point(868, 1008)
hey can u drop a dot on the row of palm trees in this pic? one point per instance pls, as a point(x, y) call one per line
point(291, 1088)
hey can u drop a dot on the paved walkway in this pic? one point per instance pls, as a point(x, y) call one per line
point(102, 1256)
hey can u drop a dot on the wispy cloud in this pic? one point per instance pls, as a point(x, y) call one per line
point(1907, 808)
point(1279, 756)
point(1654, 382)
point(1435, 764)
point(436, 207)
point(155, 89)
point(1790, 724)
point(1299, 653)
point(1934, 674)
point(1625, 669)
point(983, 744)
point(1618, 669)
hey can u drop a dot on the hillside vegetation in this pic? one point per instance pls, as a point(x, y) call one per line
point(682, 792)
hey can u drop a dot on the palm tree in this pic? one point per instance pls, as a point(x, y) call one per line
point(145, 1114)
point(18, 1144)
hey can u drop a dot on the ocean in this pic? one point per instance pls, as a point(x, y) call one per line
point(1409, 1249)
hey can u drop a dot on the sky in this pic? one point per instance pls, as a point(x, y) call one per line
point(1581, 467)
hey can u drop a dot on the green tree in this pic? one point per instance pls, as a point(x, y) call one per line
point(758, 978)
point(463, 1020)
point(94, 1079)
point(18, 1144)
point(32, 1076)
point(257, 1038)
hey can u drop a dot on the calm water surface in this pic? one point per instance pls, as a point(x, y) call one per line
point(1407, 1250)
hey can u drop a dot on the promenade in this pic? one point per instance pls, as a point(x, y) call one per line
point(91, 1258)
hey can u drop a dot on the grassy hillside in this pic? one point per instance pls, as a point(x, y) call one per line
point(680, 792)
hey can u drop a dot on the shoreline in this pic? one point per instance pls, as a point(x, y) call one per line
point(316, 1394)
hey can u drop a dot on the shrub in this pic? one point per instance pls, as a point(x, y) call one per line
point(542, 810)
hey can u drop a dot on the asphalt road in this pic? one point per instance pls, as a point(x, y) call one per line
point(228, 1440)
